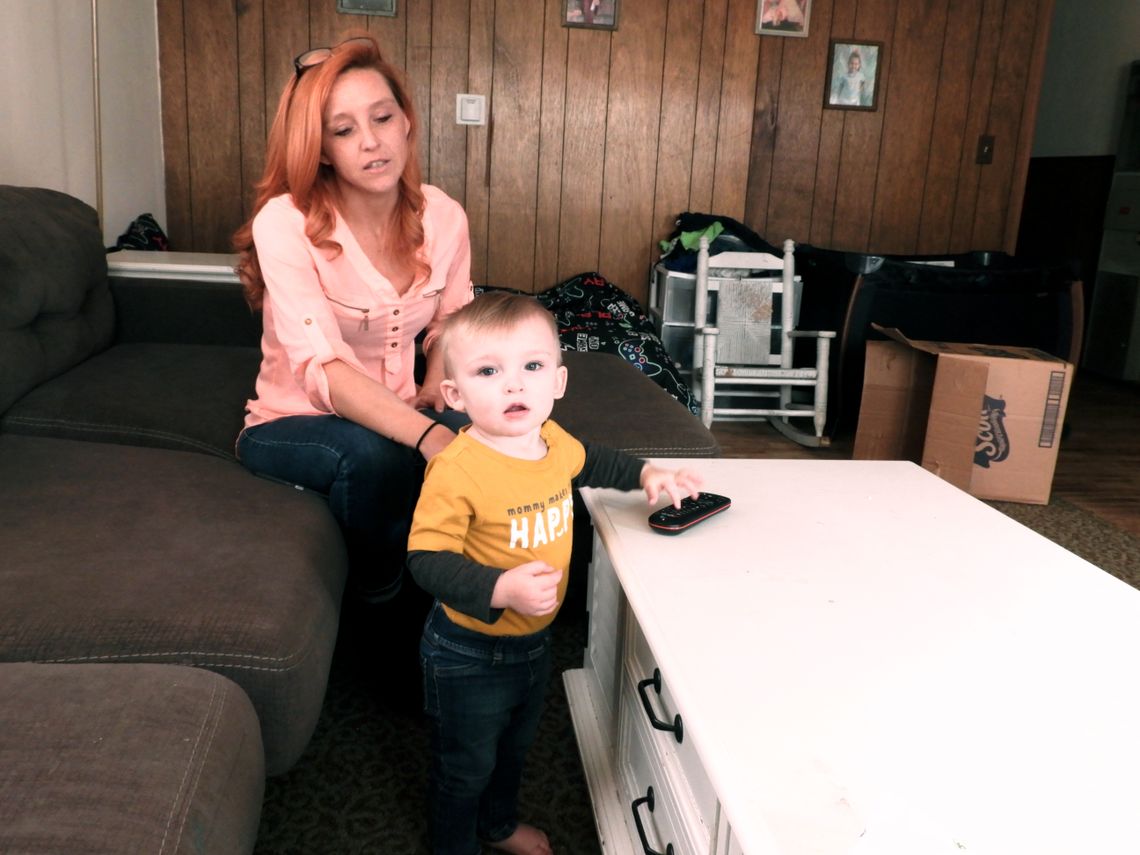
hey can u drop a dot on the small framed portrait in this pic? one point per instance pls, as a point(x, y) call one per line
point(782, 17)
point(853, 75)
point(590, 14)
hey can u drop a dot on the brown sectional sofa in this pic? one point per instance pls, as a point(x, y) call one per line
point(133, 545)
point(132, 538)
point(110, 759)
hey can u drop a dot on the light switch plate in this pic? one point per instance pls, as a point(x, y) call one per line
point(471, 109)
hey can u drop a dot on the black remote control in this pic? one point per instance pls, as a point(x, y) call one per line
point(671, 520)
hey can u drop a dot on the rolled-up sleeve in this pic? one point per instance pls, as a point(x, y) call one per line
point(298, 314)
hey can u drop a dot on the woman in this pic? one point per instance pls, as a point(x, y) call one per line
point(350, 258)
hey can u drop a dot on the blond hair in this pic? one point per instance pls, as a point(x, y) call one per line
point(491, 313)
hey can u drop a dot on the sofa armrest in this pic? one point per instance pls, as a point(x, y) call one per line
point(180, 298)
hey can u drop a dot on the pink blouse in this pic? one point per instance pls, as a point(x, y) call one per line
point(319, 308)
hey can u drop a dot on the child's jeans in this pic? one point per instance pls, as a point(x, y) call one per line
point(483, 695)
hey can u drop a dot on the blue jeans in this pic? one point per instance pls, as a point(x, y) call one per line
point(483, 695)
point(371, 483)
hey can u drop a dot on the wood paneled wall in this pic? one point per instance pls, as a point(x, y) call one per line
point(599, 139)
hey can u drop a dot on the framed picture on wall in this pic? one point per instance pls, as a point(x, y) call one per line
point(590, 14)
point(387, 8)
point(853, 75)
point(783, 17)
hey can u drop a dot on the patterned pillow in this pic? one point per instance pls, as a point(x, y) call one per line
point(143, 233)
point(595, 315)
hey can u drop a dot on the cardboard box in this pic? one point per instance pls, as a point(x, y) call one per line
point(986, 418)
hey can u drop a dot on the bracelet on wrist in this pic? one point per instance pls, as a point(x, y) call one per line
point(423, 435)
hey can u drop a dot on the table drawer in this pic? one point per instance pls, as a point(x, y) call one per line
point(642, 771)
point(641, 665)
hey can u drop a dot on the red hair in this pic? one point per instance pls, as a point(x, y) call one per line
point(293, 165)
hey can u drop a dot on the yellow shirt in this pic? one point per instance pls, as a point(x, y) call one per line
point(502, 512)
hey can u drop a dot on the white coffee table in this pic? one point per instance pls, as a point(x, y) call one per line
point(865, 660)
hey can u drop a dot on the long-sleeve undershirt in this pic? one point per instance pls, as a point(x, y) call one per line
point(465, 584)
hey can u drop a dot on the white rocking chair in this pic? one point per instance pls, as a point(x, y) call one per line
point(743, 354)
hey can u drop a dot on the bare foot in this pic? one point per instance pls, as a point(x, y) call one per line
point(527, 840)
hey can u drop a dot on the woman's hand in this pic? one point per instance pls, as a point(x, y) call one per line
point(429, 397)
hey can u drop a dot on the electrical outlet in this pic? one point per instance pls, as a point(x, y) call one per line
point(985, 149)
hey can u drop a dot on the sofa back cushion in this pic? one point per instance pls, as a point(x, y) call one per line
point(55, 302)
point(185, 396)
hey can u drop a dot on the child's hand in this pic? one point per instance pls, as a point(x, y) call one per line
point(530, 589)
point(677, 483)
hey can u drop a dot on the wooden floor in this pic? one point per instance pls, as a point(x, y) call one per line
point(1098, 467)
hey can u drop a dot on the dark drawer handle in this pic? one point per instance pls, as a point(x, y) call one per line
point(655, 681)
point(646, 800)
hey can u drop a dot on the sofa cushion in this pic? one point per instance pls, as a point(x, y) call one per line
point(610, 402)
point(124, 395)
point(126, 758)
point(182, 311)
point(183, 396)
point(116, 553)
point(55, 303)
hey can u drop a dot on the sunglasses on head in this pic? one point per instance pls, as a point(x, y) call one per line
point(310, 58)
